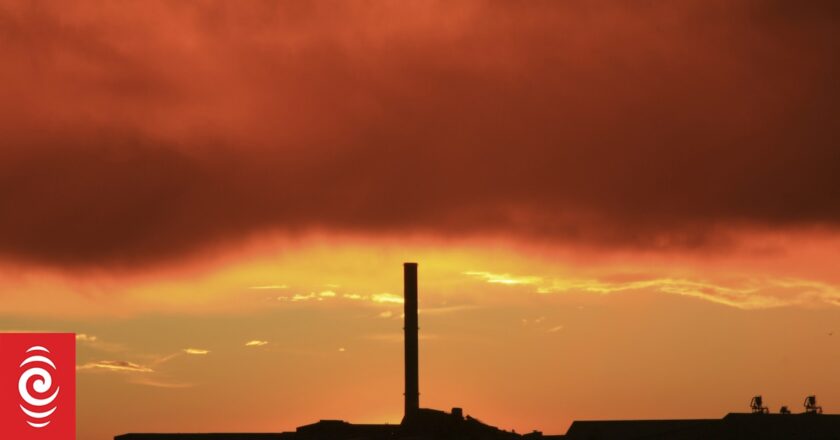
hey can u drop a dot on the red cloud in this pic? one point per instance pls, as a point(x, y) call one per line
point(150, 131)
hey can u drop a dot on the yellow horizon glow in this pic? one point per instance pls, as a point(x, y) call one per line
point(305, 330)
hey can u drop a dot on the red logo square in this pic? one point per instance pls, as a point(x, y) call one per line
point(38, 386)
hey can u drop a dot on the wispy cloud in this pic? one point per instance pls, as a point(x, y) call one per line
point(504, 278)
point(97, 343)
point(447, 309)
point(748, 297)
point(256, 343)
point(747, 293)
point(386, 298)
point(318, 296)
point(271, 287)
point(196, 351)
point(83, 337)
point(300, 297)
point(147, 381)
point(158, 359)
point(382, 299)
point(119, 366)
point(555, 329)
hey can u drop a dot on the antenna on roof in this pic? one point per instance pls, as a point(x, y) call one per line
point(757, 406)
point(811, 405)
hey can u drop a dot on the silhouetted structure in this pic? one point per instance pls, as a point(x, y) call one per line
point(811, 405)
point(756, 406)
point(411, 327)
point(732, 427)
point(422, 423)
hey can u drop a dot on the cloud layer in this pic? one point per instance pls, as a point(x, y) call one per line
point(153, 130)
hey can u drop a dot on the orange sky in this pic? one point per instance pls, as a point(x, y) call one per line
point(524, 337)
point(619, 210)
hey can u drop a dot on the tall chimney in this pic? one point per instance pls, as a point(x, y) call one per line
point(412, 376)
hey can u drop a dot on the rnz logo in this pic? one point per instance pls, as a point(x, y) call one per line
point(36, 387)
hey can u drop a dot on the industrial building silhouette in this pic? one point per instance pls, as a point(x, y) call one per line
point(423, 423)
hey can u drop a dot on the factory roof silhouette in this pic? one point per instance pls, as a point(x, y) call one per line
point(423, 423)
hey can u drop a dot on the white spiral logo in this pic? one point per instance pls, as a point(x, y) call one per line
point(41, 385)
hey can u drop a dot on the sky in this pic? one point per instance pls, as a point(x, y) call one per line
point(619, 209)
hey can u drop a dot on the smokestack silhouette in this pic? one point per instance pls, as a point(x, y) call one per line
point(412, 375)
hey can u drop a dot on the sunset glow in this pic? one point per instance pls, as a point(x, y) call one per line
point(619, 210)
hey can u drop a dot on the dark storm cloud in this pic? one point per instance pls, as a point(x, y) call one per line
point(155, 129)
